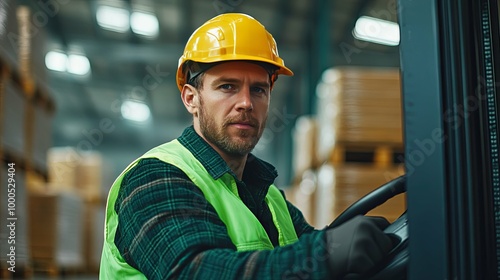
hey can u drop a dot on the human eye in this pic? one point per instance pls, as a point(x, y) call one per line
point(259, 90)
point(227, 87)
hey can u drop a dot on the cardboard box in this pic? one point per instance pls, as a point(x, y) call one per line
point(42, 137)
point(56, 230)
point(13, 130)
point(353, 181)
point(359, 105)
point(63, 165)
point(304, 145)
point(303, 195)
point(9, 33)
point(89, 175)
point(80, 172)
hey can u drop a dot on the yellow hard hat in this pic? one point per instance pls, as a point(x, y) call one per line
point(231, 36)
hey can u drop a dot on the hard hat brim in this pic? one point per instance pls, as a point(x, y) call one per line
point(282, 69)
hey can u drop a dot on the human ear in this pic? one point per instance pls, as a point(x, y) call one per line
point(189, 96)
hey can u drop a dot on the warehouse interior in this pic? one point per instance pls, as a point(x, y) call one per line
point(87, 86)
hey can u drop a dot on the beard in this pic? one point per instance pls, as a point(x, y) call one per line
point(218, 135)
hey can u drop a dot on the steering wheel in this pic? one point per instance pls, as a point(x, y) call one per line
point(395, 266)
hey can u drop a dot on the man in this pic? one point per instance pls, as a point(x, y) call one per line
point(202, 206)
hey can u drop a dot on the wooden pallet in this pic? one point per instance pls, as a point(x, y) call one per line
point(361, 106)
point(382, 155)
point(353, 181)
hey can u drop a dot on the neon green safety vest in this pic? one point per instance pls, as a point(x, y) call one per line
point(243, 228)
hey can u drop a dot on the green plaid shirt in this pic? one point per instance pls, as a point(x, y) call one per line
point(172, 231)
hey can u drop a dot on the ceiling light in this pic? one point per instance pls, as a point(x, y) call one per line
point(135, 111)
point(56, 61)
point(78, 64)
point(377, 31)
point(144, 24)
point(114, 19)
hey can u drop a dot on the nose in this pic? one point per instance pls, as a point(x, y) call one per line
point(244, 102)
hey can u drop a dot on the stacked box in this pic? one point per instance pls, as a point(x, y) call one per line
point(43, 221)
point(41, 126)
point(62, 165)
point(25, 125)
point(76, 171)
point(359, 106)
point(13, 134)
point(56, 230)
point(304, 139)
point(325, 193)
point(356, 180)
point(359, 139)
point(302, 194)
point(89, 180)
point(80, 173)
point(25, 104)
point(324, 197)
point(23, 45)
point(9, 33)
point(70, 213)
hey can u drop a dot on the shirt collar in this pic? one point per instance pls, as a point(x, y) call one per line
point(255, 169)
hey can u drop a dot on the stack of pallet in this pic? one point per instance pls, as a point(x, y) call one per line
point(26, 111)
point(304, 163)
point(359, 141)
point(73, 170)
point(359, 109)
point(67, 213)
point(78, 174)
point(56, 232)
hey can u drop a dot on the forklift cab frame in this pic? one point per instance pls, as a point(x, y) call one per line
point(450, 70)
point(450, 73)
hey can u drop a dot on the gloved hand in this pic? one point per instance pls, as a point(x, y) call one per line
point(357, 245)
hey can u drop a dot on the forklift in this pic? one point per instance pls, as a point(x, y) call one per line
point(450, 73)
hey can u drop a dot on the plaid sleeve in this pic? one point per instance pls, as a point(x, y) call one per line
point(167, 229)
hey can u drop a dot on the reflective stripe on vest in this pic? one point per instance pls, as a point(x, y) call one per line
point(243, 227)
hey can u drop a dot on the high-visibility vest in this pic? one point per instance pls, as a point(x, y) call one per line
point(244, 229)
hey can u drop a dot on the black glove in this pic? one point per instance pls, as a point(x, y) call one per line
point(357, 245)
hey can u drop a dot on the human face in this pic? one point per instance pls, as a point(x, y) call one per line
point(233, 107)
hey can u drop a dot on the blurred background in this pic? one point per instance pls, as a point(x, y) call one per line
point(88, 86)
